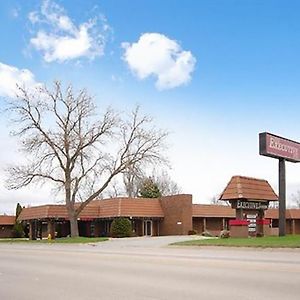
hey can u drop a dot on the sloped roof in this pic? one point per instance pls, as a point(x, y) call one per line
point(207, 210)
point(241, 187)
point(90, 211)
point(292, 213)
point(141, 207)
point(7, 220)
point(273, 213)
point(43, 212)
point(115, 207)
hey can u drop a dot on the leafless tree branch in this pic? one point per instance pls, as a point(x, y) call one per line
point(70, 146)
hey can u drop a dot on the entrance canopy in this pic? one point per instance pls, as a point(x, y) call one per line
point(248, 188)
point(250, 198)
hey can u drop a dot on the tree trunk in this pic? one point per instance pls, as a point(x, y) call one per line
point(74, 226)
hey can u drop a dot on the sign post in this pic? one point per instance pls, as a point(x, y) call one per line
point(284, 150)
point(282, 196)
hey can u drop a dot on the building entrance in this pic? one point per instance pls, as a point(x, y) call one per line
point(148, 228)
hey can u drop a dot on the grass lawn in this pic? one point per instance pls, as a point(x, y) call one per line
point(67, 240)
point(289, 241)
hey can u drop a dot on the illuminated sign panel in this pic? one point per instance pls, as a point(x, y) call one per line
point(278, 147)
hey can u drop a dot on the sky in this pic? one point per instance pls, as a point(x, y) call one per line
point(214, 73)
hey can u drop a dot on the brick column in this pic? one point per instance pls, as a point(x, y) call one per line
point(293, 227)
point(97, 229)
point(32, 230)
point(239, 213)
point(51, 228)
point(204, 224)
point(238, 228)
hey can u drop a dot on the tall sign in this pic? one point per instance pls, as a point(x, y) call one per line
point(278, 147)
point(284, 150)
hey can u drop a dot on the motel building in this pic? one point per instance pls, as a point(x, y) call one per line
point(245, 213)
point(6, 226)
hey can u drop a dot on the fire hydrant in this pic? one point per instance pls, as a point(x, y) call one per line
point(49, 237)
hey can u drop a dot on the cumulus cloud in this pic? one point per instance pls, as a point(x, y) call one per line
point(60, 39)
point(11, 77)
point(156, 55)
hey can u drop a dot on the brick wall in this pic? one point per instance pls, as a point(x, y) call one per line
point(239, 231)
point(155, 227)
point(198, 224)
point(214, 224)
point(297, 227)
point(178, 215)
point(288, 227)
point(6, 231)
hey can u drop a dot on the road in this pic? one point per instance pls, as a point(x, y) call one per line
point(144, 268)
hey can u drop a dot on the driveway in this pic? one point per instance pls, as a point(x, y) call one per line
point(144, 242)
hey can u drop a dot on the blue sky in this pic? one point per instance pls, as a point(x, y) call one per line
point(220, 72)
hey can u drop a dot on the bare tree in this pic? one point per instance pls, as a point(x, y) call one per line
point(273, 204)
point(296, 199)
point(133, 175)
point(166, 185)
point(216, 201)
point(67, 144)
point(113, 191)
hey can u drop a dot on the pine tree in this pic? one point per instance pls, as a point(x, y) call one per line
point(149, 189)
point(18, 229)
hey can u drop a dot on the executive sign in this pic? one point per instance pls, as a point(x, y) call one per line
point(278, 147)
point(250, 205)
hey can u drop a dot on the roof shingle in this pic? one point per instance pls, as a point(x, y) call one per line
point(107, 208)
point(253, 189)
point(207, 210)
point(7, 220)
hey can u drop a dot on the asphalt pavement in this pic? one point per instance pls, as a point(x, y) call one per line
point(146, 268)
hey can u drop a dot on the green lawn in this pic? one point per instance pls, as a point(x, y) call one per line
point(289, 241)
point(67, 240)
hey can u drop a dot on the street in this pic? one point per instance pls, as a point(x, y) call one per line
point(145, 268)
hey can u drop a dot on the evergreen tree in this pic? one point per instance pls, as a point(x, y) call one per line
point(18, 229)
point(18, 210)
point(149, 189)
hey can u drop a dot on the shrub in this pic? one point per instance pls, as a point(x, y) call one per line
point(224, 234)
point(207, 233)
point(121, 227)
point(192, 232)
point(18, 230)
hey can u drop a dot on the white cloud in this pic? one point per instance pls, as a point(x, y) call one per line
point(33, 17)
point(60, 39)
point(15, 12)
point(156, 55)
point(11, 76)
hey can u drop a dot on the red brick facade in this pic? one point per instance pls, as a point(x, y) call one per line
point(6, 226)
point(177, 215)
point(171, 215)
point(6, 231)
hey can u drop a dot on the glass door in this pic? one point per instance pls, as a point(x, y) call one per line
point(148, 228)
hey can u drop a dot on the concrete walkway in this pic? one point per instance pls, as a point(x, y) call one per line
point(144, 242)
